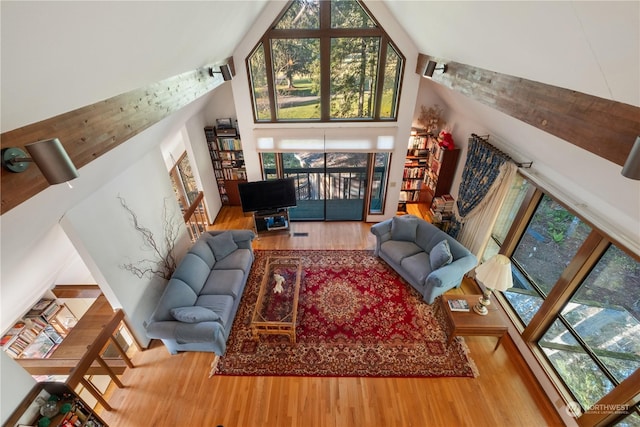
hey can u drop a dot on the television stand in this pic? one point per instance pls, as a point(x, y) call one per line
point(271, 220)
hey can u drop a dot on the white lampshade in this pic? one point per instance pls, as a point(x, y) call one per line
point(631, 167)
point(52, 160)
point(495, 273)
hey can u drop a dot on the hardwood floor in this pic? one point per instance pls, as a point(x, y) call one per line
point(165, 390)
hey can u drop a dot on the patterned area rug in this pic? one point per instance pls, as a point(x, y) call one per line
point(356, 317)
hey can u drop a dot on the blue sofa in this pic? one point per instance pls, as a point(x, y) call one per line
point(198, 306)
point(428, 258)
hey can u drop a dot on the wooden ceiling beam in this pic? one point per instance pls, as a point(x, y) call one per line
point(91, 131)
point(601, 126)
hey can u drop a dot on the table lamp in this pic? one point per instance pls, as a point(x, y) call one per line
point(495, 275)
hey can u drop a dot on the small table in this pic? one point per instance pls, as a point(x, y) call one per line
point(275, 313)
point(471, 323)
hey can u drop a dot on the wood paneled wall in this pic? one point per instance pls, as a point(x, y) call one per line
point(601, 126)
point(89, 132)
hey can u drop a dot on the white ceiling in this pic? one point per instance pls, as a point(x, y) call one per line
point(58, 56)
point(592, 47)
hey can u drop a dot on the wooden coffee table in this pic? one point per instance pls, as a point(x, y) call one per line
point(275, 313)
point(471, 323)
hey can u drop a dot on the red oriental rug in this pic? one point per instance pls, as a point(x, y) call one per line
point(356, 317)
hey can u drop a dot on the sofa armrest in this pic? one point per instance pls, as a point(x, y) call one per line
point(450, 276)
point(382, 231)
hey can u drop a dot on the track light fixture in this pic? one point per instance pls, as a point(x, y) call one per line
point(225, 70)
point(50, 157)
point(433, 66)
point(631, 167)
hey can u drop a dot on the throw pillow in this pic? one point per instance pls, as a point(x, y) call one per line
point(222, 244)
point(404, 228)
point(440, 255)
point(194, 314)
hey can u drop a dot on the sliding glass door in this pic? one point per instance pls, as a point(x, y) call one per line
point(345, 186)
point(308, 171)
point(329, 186)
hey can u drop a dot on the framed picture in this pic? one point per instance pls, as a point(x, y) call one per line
point(224, 123)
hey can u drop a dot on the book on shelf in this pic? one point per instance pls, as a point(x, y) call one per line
point(458, 305)
point(39, 348)
point(11, 334)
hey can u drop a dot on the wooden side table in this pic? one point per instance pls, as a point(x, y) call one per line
point(471, 323)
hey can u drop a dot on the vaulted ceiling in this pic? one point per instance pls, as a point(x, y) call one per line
point(58, 56)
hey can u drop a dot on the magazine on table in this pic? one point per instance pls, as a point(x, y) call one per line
point(458, 305)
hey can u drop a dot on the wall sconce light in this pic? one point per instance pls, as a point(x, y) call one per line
point(631, 168)
point(225, 70)
point(432, 66)
point(50, 157)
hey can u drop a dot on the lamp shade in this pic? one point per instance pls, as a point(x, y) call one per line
point(631, 168)
point(495, 273)
point(52, 160)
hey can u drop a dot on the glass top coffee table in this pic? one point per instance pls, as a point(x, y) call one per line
point(277, 307)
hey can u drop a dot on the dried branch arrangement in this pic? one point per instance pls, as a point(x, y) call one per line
point(431, 118)
point(164, 263)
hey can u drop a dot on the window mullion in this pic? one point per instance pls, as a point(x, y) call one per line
point(325, 79)
point(588, 350)
point(382, 66)
point(266, 44)
point(572, 276)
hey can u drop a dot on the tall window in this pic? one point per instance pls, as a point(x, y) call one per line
point(325, 61)
point(548, 244)
point(594, 343)
point(577, 298)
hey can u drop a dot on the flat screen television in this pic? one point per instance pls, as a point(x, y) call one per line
point(267, 195)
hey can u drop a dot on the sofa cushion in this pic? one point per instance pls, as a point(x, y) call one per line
point(240, 259)
point(201, 332)
point(221, 304)
point(176, 294)
point(194, 314)
point(404, 228)
point(204, 251)
point(397, 250)
point(224, 282)
point(222, 244)
point(417, 267)
point(440, 255)
point(192, 270)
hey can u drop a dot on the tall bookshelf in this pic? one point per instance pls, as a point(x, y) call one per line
point(439, 174)
point(39, 332)
point(415, 169)
point(227, 157)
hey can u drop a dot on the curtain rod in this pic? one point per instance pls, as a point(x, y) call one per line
point(485, 139)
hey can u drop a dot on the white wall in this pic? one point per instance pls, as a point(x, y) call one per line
point(16, 383)
point(224, 106)
point(103, 232)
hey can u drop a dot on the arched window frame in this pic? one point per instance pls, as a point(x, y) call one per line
point(325, 34)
